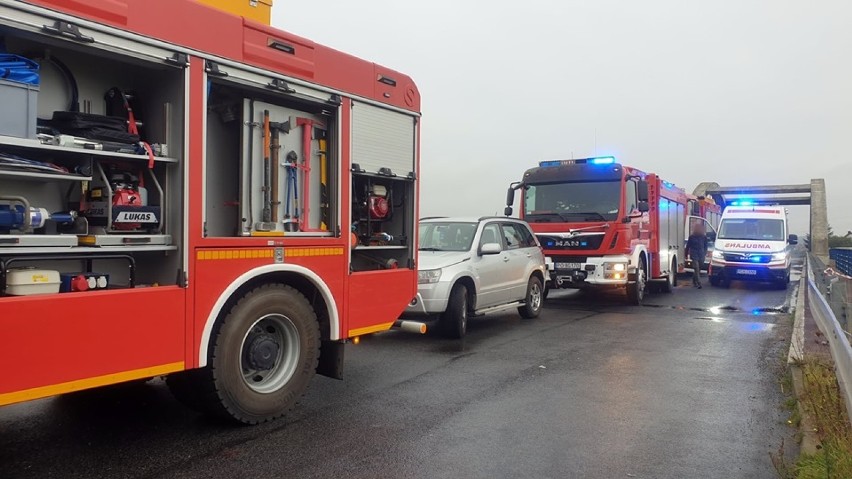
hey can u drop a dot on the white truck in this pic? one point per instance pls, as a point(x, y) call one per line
point(753, 244)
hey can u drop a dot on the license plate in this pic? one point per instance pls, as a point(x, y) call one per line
point(568, 265)
point(747, 272)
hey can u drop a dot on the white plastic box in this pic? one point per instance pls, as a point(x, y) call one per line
point(30, 281)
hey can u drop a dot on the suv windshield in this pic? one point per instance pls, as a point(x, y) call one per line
point(575, 201)
point(446, 236)
point(752, 229)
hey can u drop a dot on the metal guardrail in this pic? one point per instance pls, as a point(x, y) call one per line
point(843, 259)
point(841, 351)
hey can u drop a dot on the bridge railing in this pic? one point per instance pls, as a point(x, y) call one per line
point(838, 338)
point(843, 259)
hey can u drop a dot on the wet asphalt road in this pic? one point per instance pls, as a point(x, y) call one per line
point(592, 388)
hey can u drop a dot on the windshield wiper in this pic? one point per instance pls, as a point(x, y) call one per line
point(430, 249)
point(590, 214)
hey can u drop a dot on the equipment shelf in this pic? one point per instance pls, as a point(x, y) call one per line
point(34, 175)
point(24, 143)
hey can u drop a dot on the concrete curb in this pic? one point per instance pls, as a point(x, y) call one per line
point(795, 357)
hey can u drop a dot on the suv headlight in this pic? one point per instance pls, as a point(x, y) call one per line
point(428, 276)
point(779, 256)
point(718, 255)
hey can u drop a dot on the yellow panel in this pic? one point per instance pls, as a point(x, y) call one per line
point(53, 390)
point(257, 10)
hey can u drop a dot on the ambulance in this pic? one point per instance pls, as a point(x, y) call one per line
point(753, 244)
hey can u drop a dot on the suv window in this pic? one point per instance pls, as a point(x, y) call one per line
point(490, 234)
point(527, 238)
point(510, 234)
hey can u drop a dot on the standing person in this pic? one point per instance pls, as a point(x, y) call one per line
point(696, 250)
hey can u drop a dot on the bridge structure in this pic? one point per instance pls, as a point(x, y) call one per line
point(812, 194)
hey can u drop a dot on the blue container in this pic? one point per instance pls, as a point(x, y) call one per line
point(19, 69)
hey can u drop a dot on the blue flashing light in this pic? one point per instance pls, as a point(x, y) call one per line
point(742, 203)
point(599, 160)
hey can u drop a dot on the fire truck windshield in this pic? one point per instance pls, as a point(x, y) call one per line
point(752, 229)
point(574, 201)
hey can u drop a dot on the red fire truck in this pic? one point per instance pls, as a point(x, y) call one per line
point(189, 193)
point(604, 225)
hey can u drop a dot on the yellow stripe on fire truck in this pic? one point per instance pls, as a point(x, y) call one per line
point(267, 253)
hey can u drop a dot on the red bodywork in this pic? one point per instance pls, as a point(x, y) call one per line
point(57, 343)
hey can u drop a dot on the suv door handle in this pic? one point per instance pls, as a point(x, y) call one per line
point(505, 258)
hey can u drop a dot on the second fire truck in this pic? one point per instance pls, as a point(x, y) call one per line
point(604, 225)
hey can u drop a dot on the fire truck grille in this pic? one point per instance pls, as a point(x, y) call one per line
point(582, 242)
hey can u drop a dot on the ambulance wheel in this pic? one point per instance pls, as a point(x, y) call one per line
point(532, 301)
point(636, 290)
point(453, 322)
point(263, 355)
point(715, 281)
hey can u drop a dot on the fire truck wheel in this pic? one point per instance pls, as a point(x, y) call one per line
point(636, 290)
point(671, 279)
point(453, 322)
point(263, 355)
point(532, 302)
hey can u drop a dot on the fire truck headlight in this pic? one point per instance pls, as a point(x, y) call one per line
point(615, 270)
point(718, 255)
point(428, 276)
point(779, 256)
point(615, 266)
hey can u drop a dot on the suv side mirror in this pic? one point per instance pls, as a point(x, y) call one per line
point(711, 236)
point(793, 239)
point(642, 191)
point(490, 248)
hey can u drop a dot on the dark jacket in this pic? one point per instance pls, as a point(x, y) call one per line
point(696, 246)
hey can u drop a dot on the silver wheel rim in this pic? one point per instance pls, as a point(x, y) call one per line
point(535, 297)
point(269, 353)
point(640, 281)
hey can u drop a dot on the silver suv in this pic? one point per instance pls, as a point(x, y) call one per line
point(473, 266)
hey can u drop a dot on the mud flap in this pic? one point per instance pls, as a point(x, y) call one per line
point(331, 359)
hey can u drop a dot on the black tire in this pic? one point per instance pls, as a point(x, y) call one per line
point(715, 281)
point(671, 280)
point(242, 382)
point(636, 290)
point(533, 299)
point(453, 322)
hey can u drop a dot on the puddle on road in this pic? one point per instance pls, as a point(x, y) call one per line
point(725, 309)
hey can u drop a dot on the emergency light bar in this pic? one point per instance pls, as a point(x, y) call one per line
point(598, 160)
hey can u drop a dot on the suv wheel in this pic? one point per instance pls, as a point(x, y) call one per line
point(532, 301)
point(453, 322)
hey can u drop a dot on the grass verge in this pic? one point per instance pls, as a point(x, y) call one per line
point(823, 405)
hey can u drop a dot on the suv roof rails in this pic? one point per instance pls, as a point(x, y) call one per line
point(493, 217)
point(432, 217)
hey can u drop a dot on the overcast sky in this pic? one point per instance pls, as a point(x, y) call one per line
point(732, 91)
